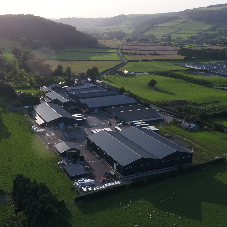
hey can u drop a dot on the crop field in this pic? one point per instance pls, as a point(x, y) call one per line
point(167, 89)
point(151, 57)
point(23, 152)
point(80, 56)
point(82, 66)
point(152, 66)
point(206, 144)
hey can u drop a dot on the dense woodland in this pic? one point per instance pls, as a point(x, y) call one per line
point(38, 32)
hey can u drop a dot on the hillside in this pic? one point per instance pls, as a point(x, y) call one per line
point(38, 32)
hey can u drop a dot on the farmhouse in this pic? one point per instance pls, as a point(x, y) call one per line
point(100, 103)
point(65, 147)
point(51, 114)
point(137, 112)
point(134, 151)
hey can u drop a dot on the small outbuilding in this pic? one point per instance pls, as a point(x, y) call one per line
point(65, 147)
point(75, 171)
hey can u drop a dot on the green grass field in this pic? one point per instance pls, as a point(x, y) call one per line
point(152, 66)
point(82, 66)
point(206, 144)
point(193, 25)
point(110, 43)
point(23, 152)
point(151, 57)
point(215, 80)
point(75, 56)
point(27, 90)
point(168, 89)
point(87, 50)
point(161, 31)
point(173, 23)
point(195, 199)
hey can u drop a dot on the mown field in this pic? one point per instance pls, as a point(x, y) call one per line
point(167, 89)
point(152, 66)
point(82, 66)
point(88, 50)
point(76, 56)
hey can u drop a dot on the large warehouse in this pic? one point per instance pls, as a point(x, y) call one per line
point(100, 103)
point(134, 151)
point(137, 112)
point(50, 114)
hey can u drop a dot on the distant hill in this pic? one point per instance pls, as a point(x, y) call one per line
point(39, 32)
point(128, 21)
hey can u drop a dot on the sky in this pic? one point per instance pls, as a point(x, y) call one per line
point(99, 8)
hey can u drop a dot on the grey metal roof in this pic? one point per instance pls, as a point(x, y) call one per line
point(125, 108)
point(74, 170)
point(62, 97)
point(86, 90)
point(139, 150)
point(65, 146)
point(147, 142)
point(96, 94)
point(138, 114)
point(50, 111)
point(107, 101)
point(114, 148)
point(164, 140)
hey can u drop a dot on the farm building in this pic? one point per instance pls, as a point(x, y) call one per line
point(51, 114)
point(65, 147)
point(100, 103)
point(75, 171)
point(61, 99)
point(101, 93)
point(131, 113)
point(134, 151)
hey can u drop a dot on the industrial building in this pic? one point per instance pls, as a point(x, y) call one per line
point(65, 146)
point(50, 114)
point(132, 113)
point(97, 104)
point(75, 171)
point(134, 151)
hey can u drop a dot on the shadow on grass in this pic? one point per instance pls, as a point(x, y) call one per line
point(165, 92)
point(4, 132)
point(182, 195)
point(62, 218)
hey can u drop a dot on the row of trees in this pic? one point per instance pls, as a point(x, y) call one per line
point(203, 53)
point(187, 78)
point(36, 201)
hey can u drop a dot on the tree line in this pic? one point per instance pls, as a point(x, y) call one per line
point(215, 54)
point(38, 32)
point(35, 201)
point(187, 78)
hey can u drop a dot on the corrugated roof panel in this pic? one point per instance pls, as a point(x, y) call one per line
point(114, 148)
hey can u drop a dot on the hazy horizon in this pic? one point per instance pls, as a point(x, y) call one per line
point(99, 8)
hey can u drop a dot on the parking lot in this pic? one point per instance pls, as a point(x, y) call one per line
point(94, 164)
